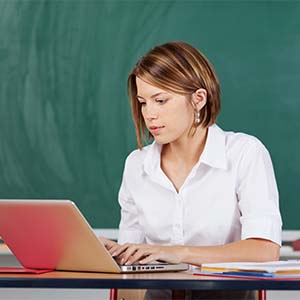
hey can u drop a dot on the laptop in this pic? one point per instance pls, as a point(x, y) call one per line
point(53, 234)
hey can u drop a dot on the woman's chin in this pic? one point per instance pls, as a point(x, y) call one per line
point(160, 140)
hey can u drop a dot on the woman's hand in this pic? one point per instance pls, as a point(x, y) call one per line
point(130, 253)
point(107, 243)
point(245, 250)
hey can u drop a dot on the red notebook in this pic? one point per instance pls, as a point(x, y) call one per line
point(20, 270)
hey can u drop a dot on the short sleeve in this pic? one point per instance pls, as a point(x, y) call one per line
point(129, 228)
point(258, 195)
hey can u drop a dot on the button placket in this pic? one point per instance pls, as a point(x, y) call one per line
point(178, 221)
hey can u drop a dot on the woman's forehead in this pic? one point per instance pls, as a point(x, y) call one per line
point(147, 89)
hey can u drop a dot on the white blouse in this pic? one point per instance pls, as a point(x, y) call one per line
point(229, 195)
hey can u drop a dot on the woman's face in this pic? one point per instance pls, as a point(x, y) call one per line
point(168, 116)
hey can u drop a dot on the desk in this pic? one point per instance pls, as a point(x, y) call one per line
point(175, 281)
point(60, 280)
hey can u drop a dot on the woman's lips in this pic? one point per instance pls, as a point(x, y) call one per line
point(155, 130)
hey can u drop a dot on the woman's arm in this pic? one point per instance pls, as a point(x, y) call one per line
point(129, 227)
point(245, 250)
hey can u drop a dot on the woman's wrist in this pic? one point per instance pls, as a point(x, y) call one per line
point(184, 254)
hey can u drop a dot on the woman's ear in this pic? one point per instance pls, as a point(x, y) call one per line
point(199, 99)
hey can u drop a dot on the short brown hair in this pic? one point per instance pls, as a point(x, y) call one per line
point(176, 67)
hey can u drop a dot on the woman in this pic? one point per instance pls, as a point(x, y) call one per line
point(197, 194)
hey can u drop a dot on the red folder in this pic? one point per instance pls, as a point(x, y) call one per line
point(20, 270)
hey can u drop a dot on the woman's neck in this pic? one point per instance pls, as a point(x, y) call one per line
point(187, 150)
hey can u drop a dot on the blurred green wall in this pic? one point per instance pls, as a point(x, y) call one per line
point(65, 123)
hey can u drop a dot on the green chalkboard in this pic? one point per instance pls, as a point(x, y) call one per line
point(65, 123)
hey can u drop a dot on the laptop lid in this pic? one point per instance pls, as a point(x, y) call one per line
point(53, 234)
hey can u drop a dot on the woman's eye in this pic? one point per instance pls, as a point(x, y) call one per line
point(161, 101)
point(141, 102)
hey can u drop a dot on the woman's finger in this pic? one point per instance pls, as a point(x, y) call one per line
point(139, 254)
point(130, 252)
point(120, 249)
point(107, 243)
point(150, 258)
point(114, 249)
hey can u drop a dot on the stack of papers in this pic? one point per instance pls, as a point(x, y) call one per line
point(284, 269)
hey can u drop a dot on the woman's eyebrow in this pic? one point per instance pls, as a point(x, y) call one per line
point(153, 96)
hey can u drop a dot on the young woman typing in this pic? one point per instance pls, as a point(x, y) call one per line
point(197, 194)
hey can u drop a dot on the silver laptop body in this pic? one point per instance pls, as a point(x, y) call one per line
point(53, 234)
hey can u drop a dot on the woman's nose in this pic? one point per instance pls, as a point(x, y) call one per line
point(150, 113)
